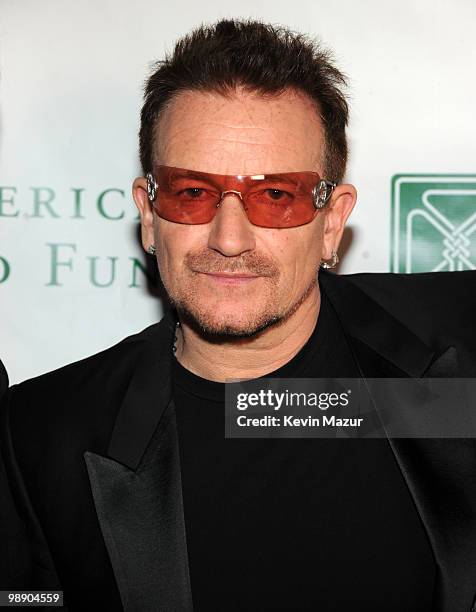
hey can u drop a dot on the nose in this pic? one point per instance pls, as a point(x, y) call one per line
point(231, 233)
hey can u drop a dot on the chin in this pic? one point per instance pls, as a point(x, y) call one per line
point(231, 323)
point(239, 316)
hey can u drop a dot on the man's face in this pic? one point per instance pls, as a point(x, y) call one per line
point(245, 134)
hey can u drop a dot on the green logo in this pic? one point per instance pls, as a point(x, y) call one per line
point(433, 223)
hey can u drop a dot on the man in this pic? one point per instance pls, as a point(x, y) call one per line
point(3, 379)
point(132, 495)
point(15, 557)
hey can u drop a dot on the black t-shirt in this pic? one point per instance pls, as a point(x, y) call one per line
point(296, 524)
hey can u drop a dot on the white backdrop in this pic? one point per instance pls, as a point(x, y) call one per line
point(71, 84)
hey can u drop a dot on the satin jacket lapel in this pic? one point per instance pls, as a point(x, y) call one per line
point(440, 473)
point(137, 488)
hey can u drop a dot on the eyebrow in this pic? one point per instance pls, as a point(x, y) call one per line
point(272, 176)
point(275, 177)
point(189, 174)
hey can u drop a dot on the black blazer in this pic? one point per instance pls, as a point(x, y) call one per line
point(15, 556)
point(3, 379)
point(92, 456)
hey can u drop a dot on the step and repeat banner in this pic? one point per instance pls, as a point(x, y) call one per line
point(73, 277)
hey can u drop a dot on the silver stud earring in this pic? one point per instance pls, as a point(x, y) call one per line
point(327, 265)
point(151, 249)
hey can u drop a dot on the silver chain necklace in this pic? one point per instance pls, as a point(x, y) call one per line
point(174, 347)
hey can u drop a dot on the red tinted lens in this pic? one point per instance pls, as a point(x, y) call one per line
point(272, 200)
point(184, 196)
point(282, 200)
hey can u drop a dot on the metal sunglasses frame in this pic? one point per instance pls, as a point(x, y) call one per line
point(321, 193)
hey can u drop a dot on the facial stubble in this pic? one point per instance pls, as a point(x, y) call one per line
point(192, 308)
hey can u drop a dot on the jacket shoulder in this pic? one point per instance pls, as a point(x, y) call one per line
point(424, 285)
point(430, 303)
point(87, 371)
point(3, 379)
point(77, 404)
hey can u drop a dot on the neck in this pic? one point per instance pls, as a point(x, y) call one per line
point(249, 357)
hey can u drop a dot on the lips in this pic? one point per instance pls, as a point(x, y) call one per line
point(231, 274)
point(226, 274)
point(230, 278)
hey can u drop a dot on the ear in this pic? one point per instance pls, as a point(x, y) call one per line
point(342, 202)
point(141, 199)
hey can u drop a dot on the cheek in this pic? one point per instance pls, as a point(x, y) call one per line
point(174, 241)
point(297, 253)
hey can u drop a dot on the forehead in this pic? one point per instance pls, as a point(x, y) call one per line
point(243, 133)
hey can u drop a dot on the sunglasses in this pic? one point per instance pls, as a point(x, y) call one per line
point(284, 199)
